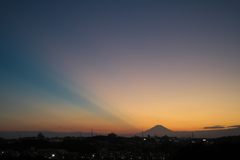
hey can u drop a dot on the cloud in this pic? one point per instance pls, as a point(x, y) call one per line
point(214, 127)
point(232, 127)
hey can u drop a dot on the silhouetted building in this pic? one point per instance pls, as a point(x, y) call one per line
point(40, 136)
point(112, 135)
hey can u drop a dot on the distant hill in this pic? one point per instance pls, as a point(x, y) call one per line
point(157, 130)
point(218, 133)
point(160, 131)
point(48, 134)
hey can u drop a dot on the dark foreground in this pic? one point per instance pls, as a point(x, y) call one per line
point(112, 147)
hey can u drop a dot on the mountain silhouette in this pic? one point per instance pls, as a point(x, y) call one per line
point(157, 130)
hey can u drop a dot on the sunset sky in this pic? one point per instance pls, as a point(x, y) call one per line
point(119, 66)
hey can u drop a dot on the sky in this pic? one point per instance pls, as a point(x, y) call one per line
point(119, 66)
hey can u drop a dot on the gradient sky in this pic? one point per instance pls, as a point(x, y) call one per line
point(119, 66)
